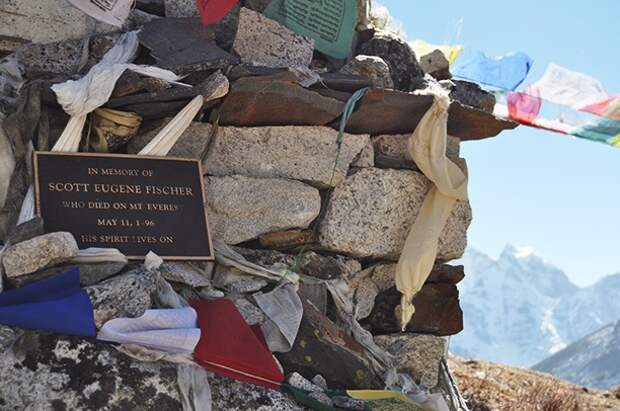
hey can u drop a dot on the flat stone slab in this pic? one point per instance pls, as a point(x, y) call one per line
point(242, 208)
point(262, 101)
point(370, 214)
point(301, 153)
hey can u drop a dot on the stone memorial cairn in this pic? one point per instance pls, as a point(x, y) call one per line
point(283, 190)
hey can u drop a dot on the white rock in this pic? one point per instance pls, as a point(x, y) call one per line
point(306, 153)
point(371, 212)
point(242, 208)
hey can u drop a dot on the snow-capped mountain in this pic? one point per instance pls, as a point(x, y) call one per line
point(519, 309)
point(592, 361)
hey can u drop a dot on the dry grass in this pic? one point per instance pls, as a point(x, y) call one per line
point(494, 387)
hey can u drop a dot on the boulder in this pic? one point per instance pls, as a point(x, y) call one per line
point(418, 355)
point(127, 295)
point(391, 150)
point(39, 252)
point(193, 142)
point(242, 208)
point(370, 214)
point(49, 372)
point(323, 348)
point(256, 101)
point(373, 67)
point(265, 42)
point(302, 153)
point(398, 55)
point(437, 311)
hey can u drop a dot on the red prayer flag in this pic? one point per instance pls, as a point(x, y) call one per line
point(229, 347)
point(212, 11)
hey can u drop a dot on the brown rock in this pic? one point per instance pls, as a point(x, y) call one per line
point(394, 112)
point(323, 348)
point(437, 311)
point(262, 101)
point(436, 65)
point(470, 123)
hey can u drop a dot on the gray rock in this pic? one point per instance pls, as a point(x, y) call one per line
point(193, 142)
point(242, 208)
point(365, 294)
point(306, 153)
point(348, 403)
point(63, 57)
point(391, 150)
point(45, 21)
point(322, 398)
point(90, 274)
point(231, 395)
point(246, 286)
point(26, 231)
point(7, 158)
point(371, 213)
point(373, 67)
point(8, 336)
point(50, 372)
point(181, 8)
point(366, 157)
point(436, 65)
point(184, 273)
point(398, 55)
point(319, 381)
point(299, 381)
point(39, 252)
point(250, 313)
point(265, 42)
point(418, 355)
point(127, 295)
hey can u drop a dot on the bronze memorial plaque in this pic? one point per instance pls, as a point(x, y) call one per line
point(134, 203)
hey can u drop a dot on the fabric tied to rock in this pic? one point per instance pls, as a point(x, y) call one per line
point(171, 330)
point(57, 304)
point(284, 309)
point(427, 146)
point(229, 347)
point(505, 72)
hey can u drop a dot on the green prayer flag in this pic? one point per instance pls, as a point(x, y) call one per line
point(331, 23)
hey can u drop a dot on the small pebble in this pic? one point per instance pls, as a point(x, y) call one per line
point(348, 403)
point(298, 381)
point(319, 381)
point(322, 398)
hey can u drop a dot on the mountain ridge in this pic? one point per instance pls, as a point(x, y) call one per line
point(519, 309)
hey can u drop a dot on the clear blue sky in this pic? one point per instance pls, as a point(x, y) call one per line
point(555, 193)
